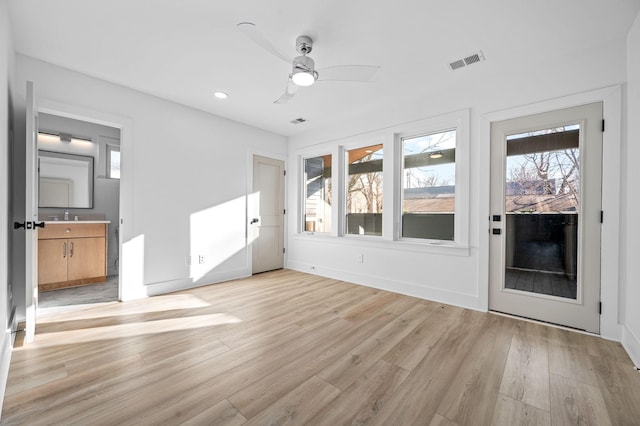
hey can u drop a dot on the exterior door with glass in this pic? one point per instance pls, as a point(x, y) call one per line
point(545, 223)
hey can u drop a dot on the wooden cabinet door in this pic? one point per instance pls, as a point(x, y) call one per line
point(86, 258)
point(52, 261)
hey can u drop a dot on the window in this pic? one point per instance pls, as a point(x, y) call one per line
point(416, 173)
point(113, 162)
point(317, 194)
point(364, 190)
point(429, 186)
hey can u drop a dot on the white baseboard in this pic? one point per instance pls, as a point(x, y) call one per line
point(631, 344)
point(7, 347)
point(170, 286)
point(409, 289)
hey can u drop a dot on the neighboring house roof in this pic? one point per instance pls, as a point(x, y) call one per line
point(548, 203)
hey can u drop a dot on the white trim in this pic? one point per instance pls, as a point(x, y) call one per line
point(432, 246)
point(631, 343)
point(436, 294)
point(126, 287)
point(7, 348)
point(302, 192)
point(611, 97)
point(251, 152)
point(389, 137)
point(164, 287)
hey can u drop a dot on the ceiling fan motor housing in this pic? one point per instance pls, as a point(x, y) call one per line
point(304, 63)
point(304, 45)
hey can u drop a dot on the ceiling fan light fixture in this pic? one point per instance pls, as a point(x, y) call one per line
point(303, 73)
point(303, 78)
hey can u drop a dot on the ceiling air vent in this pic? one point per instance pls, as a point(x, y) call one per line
point(468, 60)
point(298, 120)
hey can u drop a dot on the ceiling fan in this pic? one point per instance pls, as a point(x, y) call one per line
point(303, 71)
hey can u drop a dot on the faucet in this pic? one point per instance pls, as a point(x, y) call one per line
point(66, 214)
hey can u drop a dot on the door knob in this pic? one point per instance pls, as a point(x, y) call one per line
point(254, 220)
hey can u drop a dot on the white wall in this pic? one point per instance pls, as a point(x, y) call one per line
point(630, 235)
point(6, 77)
point(455, 279)
point(184, 178)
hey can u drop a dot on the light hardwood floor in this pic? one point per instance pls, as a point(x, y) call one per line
point(291, 348)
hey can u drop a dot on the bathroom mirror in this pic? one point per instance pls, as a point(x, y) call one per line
point(65, 180)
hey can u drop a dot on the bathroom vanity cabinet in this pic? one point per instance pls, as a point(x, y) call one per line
point(71, 254)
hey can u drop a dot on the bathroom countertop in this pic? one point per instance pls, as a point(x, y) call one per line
point(80, 222)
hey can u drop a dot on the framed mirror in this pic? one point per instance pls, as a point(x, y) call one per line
point(65, 180)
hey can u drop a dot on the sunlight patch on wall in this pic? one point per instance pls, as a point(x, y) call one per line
point(217, 233)
point(133, 269)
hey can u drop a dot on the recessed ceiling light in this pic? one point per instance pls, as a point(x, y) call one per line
point(221, 95)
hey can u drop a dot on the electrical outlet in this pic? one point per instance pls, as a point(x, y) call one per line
point(200, 259)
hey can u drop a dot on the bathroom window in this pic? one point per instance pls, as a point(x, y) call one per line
point(113, 162)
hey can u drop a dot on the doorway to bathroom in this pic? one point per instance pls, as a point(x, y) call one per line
point(79, 201)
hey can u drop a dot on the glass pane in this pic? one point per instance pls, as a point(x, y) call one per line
point(429, 186)
point(364, 190)
point(542, 203)
point(317, 204)
point(114, 164)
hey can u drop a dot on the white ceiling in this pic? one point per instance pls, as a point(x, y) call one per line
point(184, 50)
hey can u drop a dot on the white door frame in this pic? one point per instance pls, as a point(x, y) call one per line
point(126, 173)
point(249, 206)
point(31, 214)
point(611, 97)
point(582, 311)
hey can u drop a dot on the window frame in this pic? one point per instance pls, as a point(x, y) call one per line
point(458, 121)
point(303, 193)
point(401, 189)
point(112, 148)
point(353, 144)
point(391, 137)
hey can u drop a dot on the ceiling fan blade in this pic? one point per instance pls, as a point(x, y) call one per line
point(290, 91)
point(363, 73)
point(251, 31)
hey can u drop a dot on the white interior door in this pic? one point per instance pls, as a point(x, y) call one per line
point(267, 223)
point(545, 223)
point(31, 215)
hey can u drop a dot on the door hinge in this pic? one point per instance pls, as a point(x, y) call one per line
point(284, 172)
point(600, 308)
point(283, 250)
point(603, 125)
point(284, 211)
point(601, 216)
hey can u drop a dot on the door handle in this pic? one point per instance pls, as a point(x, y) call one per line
point(254, 220)
point(28, 225)
point(64, 249)
point(70, 249)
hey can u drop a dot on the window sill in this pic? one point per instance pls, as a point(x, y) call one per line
point(432, 247)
